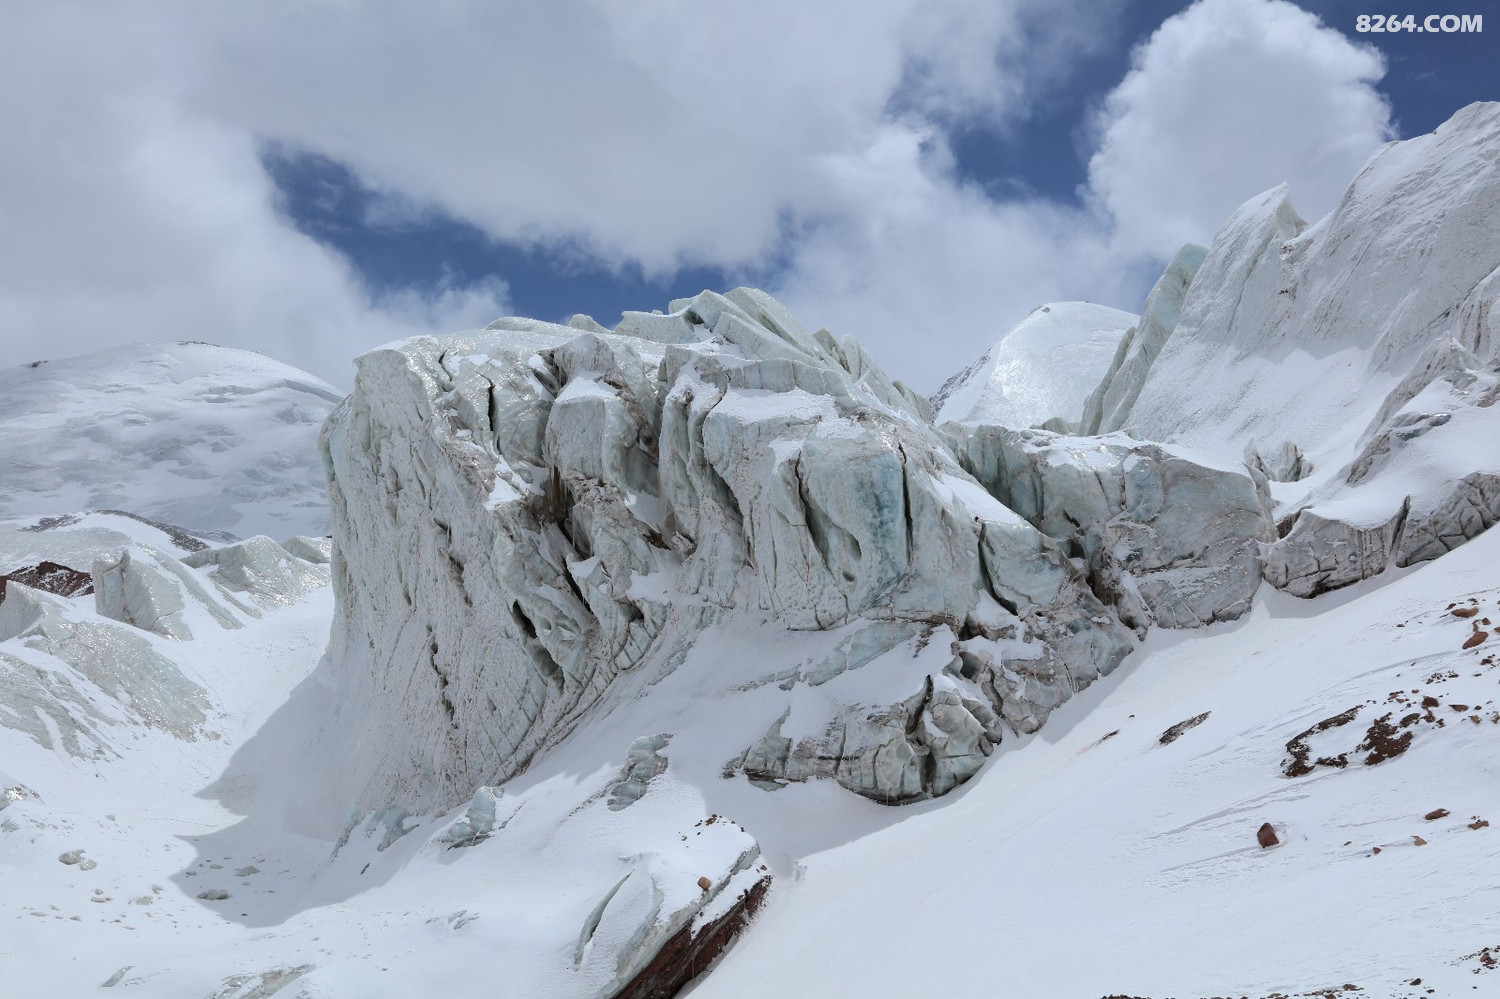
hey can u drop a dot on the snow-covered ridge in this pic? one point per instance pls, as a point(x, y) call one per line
point(1042, 370)
point(1355, 359)
point(205, 437)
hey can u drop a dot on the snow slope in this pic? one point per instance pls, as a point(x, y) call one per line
point(189, 434)
point(1043, 369)
point(1086, 860)
point(1092, 860)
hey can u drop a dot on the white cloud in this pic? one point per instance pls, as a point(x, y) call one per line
point(926, 270)
point(125, 217)
point(1227, 99)
point(656, 133)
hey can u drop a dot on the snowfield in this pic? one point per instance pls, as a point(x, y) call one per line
point(698, 656)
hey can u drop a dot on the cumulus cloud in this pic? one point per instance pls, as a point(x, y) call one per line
point(1227, 99)
point(927, 270)
point(126, 217)
point(656, 134)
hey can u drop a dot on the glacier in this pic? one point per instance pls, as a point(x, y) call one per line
point(698, 652)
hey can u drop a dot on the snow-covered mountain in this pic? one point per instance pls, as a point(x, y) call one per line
point(188, 434)
point(1042, 370)
point(699, 645)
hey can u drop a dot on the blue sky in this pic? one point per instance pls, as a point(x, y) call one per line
point(311, 181)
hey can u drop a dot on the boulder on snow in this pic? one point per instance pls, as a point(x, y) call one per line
point(1266, 836)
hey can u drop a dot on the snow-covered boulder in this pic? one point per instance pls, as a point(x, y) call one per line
point(1170, 537)
point(1039, 373)
point(524, 514)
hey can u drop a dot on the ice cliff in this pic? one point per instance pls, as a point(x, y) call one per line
point(526, 513)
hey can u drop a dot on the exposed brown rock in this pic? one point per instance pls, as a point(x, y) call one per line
point(1464, 611)
point(1300, 762)
point(1384, 741)
point(688, 954)
point(1418, 841)
point(705, 884)
point(52, 577)
point(1476, 639)
point(1478, 824)
point(1171, 734)
point(1436, 813)
point(1266, 836)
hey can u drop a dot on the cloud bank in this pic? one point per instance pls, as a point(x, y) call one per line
point(808, 139)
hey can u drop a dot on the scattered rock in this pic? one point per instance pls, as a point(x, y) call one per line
point(705, 884)
point(1418, 841)
point(213, 894)
point(1171, 734)
point(1300, 762)
point(1476, 639)
point(1478, 823)
point(1384, 741)
point(1266, 836)
point(1436, 813)
point(1464, 611)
